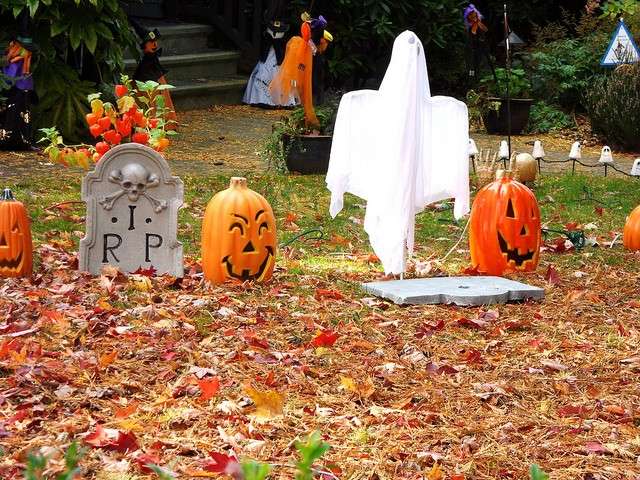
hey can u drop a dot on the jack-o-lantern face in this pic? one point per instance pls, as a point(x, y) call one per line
point(504, 230)
point(15, 238)
point(151, 46)
point(238, 235)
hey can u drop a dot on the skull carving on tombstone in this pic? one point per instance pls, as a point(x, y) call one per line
point(134, 180)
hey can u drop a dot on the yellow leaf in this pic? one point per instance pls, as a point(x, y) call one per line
point(364, 388)
point(269, 403)
point(97, 107)
point(141, 283)
point(103, 304)
point(108, 358)
point(435, 473)
point(125, 103)
point(544, 406)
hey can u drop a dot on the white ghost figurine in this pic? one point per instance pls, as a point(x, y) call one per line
point(503, 153)
point(473, 148)
point(538, 150)
point(400, 149)
point(576, 151)
point(635, 169)
point(605, 156)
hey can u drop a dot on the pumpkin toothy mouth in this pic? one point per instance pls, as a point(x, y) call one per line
point(513, 255)
point(12, 264)
point(246, 273)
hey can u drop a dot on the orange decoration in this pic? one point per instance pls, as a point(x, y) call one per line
point(504, 229)
point(16, 251)
point(238, 235)
point(631, 232)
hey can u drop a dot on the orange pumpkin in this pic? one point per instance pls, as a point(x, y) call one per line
point(238, 235)
point(631, 232)
point(504, 229)
point(16, 251)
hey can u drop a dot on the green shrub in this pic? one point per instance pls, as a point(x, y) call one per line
point(614, 106)
point(564, 69)
point(545, 118)
point(519, 85)
point(74, 36)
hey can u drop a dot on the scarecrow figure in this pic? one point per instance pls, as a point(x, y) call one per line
point(296, 72)
point(150, 68)
point(15, 111)
point(271, 57)
point(476, 38)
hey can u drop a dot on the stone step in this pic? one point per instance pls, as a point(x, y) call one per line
point(203, 93)
point(207, 64)
point(181, 38)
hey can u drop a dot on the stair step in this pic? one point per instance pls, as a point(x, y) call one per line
point(212, 63)
point(203, 93)
point(182, 38)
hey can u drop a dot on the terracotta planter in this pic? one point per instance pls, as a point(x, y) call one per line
point(307, 154)
point(495, 121)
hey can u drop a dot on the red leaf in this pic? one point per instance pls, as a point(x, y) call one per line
point(599, 211)
point(573, 411)
point(443, 369)
point(595, 447)
point(552, 275)
point(253, 341)
point(209, 387)
point(222, 463)
point(269, 379)
point(471, 271)
point(322, 294)
point(144, 459)
point(111, 439)
point(428, 329)
point(147, 272)
point(126, 411)
point(471, 356)
point(472, 323)
point(572, 226)
point(325, 339)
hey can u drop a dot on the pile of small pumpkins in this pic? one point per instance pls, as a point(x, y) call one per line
point(239, 233)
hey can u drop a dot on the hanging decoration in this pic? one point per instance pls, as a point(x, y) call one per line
point(504, 228)
point(296, 72)
point(238, 235)
point(16, 250)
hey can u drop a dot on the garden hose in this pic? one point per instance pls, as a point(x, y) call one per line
point(318, 231)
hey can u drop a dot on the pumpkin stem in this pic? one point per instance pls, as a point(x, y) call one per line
point(238, 182)
point(7, 195)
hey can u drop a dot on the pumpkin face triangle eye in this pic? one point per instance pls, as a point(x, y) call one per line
point(524, 230)
point(510, 212)
point(3, 241)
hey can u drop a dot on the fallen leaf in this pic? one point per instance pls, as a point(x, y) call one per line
point(552, 276)
point(325, 338)
point(209, 388)
point(269, 403)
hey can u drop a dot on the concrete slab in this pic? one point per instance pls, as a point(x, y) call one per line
point(464, 291)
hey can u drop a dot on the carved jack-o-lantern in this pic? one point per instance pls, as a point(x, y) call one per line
point(504, 229)
point(15, 238)
point(238, 235)
point(631, 232)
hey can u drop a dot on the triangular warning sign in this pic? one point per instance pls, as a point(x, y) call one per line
point(622, 48)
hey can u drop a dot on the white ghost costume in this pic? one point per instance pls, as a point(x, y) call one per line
point(399, 149)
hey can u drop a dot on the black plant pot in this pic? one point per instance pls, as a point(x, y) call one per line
point(495, 121)
point(307, 154)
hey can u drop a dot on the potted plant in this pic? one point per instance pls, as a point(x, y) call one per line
point(494, 114)
point(294, 148)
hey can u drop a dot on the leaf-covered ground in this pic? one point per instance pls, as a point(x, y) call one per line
point(170, 371)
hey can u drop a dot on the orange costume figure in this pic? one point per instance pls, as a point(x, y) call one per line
point(149, 68)
point(296, 72)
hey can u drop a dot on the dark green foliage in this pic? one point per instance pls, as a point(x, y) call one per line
point(63, 99)
point(562, 71)
point(364, 31)
point(78, 40)
point(614, 106)
point(545, 118)
point(519, 85)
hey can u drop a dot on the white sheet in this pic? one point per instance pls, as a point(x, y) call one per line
point(399, 149)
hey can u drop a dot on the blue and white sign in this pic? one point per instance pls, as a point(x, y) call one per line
point(622, 48)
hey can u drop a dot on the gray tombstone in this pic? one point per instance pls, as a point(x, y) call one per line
point(132, 213)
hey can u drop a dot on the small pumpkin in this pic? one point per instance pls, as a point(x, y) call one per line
point(526, 168)
point(16, 251)
point(504, 228)
point(238, 235)
point(631, 232)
